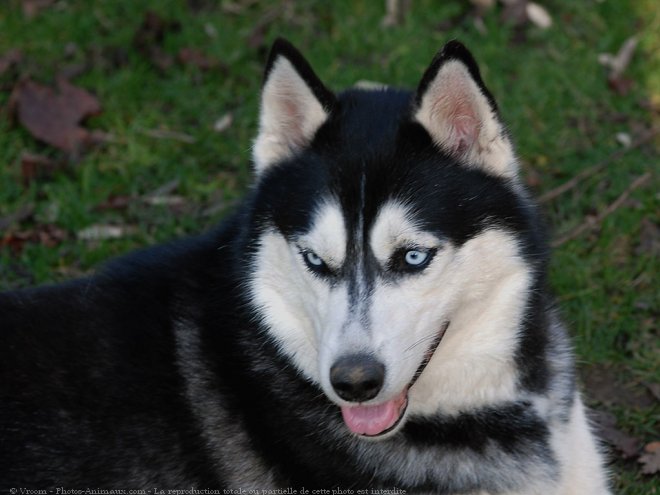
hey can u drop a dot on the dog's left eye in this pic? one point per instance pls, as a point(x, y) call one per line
point(313, 259)
point(416, 258)
point(411, 260)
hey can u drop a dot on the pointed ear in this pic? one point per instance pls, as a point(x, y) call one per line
point(459, 113)
point(294, 104)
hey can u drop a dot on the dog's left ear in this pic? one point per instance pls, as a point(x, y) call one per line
point(459, 113)
point(294, 104)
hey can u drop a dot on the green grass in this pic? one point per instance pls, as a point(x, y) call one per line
point(550, 88)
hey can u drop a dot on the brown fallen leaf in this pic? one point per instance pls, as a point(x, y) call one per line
point(54, 116)
point(533, 178)
point(10, 59)
point(168, 135)
point(194, 57)
point(256, 40)
point(654, 388)
point(149, 37)
point(23, 213)
point(237, 8)
point(618, 64)
point(396, 13)
point(48, 235)
point(36, 167)
point(649, 238)
point(32, 7)
point(199, 5)
point(611, 384)
point(620, 85)
point(168, 188)
point(650, 459)
point(115, 203)
point(606, 429)
point(515, 12)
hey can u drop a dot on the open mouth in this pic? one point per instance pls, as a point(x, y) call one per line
point(380, 419)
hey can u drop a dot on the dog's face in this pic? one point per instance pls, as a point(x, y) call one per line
point(392, 260)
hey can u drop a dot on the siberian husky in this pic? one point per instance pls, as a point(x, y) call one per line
point(375, 316)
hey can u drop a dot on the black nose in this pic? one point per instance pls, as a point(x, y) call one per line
point(357, 377)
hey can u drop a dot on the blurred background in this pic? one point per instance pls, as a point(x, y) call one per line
point(124, 123)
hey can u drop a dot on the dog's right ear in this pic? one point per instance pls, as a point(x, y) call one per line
point(294, 104)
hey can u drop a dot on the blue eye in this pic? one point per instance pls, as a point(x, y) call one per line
point(312, 258)
point(314, 262)
point(416, 258)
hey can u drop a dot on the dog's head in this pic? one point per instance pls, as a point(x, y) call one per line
point(395, 246)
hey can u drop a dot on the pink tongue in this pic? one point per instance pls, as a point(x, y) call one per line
point(372, 420)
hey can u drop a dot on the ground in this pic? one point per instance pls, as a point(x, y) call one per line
point(178, 85)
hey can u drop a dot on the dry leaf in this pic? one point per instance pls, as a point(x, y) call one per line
point(167, 188)
point(624, 139)
point(210, 30)
point(172, 201)
point(101, 232)
point(48, 235)
point(618, 64)
point(369, 85)
point(149, 37)
point(32, 7)
point(620, 85)
point(606, 429)
point(115, 203)
point(538, 15)
point(650, 459)
point(654, 388)
point(649, 240)
point(533, 178)
point(223, 123)
point(483, 5)
point(9, 59)
point(23, 213)
point(515, 12)
point(54, 116)
point(35, 167)
point(194, 57)
point(609, 384)
point(257, 37)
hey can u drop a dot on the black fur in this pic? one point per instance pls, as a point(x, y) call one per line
point(92, 394)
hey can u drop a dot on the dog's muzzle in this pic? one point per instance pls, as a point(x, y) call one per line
point(359, 378)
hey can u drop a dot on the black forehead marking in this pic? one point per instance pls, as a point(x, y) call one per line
point(369, 152)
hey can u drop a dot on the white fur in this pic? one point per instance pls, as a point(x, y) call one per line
point(480, 287)
point(395, 228)
point(459, 118)
point(297, 306)
point(574, 445)
point(328, 237)
point(290, 115)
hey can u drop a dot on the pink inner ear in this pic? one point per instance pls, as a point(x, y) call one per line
point(465, 131)
point(464, 126)
point(292, 119)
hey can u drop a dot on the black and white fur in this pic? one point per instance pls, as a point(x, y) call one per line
point(211, 362)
